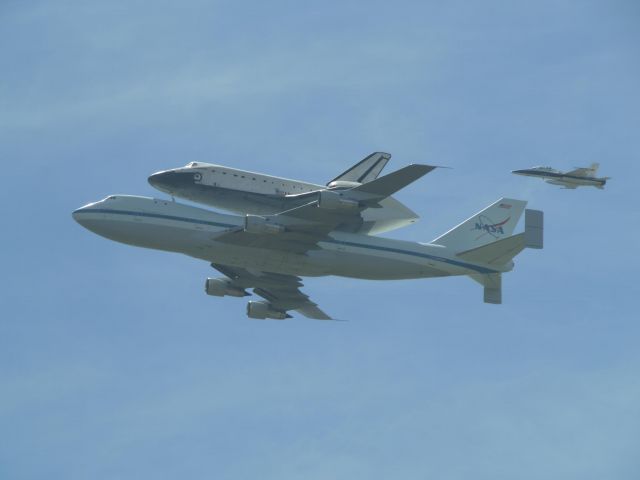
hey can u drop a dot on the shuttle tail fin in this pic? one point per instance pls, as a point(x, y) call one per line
point(365, 170)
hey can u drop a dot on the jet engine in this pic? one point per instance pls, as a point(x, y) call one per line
point(219, 287)
point(263, 310)
point(258, 224)
point(329, 200)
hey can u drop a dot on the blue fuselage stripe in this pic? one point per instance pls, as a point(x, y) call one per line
point(334, 241)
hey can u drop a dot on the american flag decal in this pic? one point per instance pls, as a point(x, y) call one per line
point(504, 205)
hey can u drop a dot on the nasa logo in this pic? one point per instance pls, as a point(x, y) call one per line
point(489, 227)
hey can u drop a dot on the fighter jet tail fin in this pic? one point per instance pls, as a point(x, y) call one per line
point(496, 222)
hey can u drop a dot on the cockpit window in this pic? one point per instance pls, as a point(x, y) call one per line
point(192, 164)
point(112, 197)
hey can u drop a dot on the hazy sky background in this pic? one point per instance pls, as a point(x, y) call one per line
point(114, 364)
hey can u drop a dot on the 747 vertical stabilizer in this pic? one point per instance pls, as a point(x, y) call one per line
point(486, 239)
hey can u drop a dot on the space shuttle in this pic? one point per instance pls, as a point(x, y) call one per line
point(252, 193)
point(579, 177)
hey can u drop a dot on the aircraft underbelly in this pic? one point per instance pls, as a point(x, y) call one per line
point(320, 263)
point(372, 266)
point(572, 182)
point(266, 260)
point(384, 269)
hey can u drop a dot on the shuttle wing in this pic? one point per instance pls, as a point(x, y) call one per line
point(281, 291)
point(299, 229)
point(342, 209)
point(389, 184)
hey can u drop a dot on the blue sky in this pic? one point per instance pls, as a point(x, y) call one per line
point(115, 364)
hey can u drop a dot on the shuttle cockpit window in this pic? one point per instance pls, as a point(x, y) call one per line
point(192, 164)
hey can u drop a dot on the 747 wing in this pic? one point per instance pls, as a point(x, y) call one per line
point(281, 292)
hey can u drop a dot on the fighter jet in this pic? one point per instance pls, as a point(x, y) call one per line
point(245, 192)
point(580, 177)
point(269, 253)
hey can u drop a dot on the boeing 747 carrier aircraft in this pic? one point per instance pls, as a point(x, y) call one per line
point(580, 177)
point(269, 253)
point(245, 192)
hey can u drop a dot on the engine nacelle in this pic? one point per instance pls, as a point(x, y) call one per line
point(258, 224)
point(219, 287)
point(263, 310)
point(334, 201)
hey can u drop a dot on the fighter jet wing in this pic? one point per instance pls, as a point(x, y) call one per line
point(281, 291)
point(580, 172)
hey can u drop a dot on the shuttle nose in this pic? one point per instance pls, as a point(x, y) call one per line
point(160, 179)
point(170, 181)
